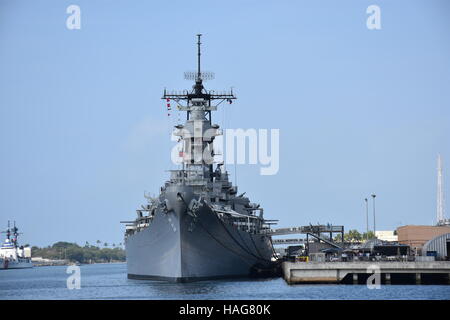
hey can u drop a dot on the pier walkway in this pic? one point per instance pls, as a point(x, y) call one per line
point(358, 272)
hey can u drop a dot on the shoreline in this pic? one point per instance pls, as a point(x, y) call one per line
point(55, 264)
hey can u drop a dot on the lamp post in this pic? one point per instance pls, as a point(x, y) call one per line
point(367, 218)
point(374, 228)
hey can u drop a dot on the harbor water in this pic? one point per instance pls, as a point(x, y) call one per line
point(109, 281)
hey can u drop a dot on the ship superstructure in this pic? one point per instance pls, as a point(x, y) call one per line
point(199, 227)
point(13, 256)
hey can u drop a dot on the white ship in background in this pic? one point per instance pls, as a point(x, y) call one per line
point(13, 256)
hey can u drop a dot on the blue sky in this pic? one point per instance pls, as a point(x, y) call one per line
point(84, 132)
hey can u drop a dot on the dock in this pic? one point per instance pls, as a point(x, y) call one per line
point(435, 272)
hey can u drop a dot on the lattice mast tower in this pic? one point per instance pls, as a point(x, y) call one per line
point(440, 192)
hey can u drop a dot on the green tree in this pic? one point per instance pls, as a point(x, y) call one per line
point(353, 235)
point(75, 253)
point(63, 244)
point(368, 236)
point(350, 236)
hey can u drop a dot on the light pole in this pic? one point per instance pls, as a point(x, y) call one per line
point(367, 218)
point(374, 228)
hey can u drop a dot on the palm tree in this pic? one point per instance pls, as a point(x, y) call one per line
point(98, 243)
point(368, 235)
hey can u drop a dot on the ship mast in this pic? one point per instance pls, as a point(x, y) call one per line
point(198, 92)
point(15, 233)
point(198, 61)
point(198, 132)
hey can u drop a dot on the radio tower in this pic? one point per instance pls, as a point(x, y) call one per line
point(440, 194)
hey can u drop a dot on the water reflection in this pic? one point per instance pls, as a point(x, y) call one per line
point(207, 289)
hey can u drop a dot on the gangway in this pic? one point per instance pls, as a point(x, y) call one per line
point(315, 231)
point(288, 241)
point(312, 229)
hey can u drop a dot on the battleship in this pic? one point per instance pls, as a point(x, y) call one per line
point(199, 227)
point(13, 256)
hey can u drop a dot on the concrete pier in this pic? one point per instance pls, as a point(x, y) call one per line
point(387, 278)
point(355, 278)
point(418, 278)
point(336, 272)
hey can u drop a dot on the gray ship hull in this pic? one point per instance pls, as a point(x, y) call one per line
point(178, 247)
point(199, 227)
point(14, 264)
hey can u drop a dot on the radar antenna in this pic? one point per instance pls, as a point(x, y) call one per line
point(8, 231)
point(199, 54)
point(199, 75)
point(199, 93)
